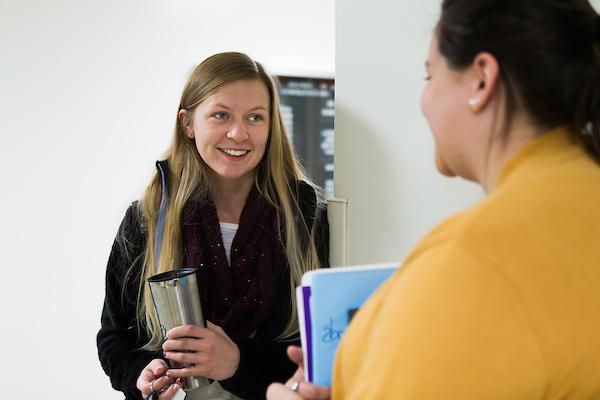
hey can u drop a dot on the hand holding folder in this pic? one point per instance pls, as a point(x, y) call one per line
point(327, 299)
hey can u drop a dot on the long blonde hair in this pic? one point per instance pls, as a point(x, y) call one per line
point(276, 180)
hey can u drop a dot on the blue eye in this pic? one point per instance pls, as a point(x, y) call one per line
point(255, 117)
point(220, 115)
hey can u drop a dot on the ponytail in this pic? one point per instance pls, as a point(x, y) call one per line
point(549, 56)
point(588, 111)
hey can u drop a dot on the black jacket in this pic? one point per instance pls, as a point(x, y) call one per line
point(262, 360)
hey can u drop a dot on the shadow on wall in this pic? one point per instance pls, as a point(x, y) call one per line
point(364, 180)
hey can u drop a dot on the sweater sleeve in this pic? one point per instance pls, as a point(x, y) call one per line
point(120, 339)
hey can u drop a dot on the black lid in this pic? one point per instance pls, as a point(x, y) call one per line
point(176, 273)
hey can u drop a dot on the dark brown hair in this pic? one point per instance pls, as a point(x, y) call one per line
point(548, 52)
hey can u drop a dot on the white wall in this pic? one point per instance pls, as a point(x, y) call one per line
point(384, 152)
point(88, 97)
point(384, 161)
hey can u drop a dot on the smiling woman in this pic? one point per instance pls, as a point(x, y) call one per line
point(231, 199)
point(231, 129)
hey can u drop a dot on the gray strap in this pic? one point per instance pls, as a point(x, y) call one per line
point(160, 223)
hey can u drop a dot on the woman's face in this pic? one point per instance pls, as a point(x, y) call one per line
point(444, 104)
point(231, 129)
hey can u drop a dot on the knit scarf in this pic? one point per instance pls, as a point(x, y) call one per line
point(238, 297)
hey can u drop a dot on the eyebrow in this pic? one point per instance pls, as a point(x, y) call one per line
point(229, 108)
point(427, 65)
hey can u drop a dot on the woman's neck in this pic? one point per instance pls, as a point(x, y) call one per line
point(504, 147)
point(230, 198)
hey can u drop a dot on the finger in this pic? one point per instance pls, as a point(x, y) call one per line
point(180, 344)
point(277, 391)
point(192, 331)
point(147, 375)
point(197, 370)
point(170, 392)
point(295, 354)
point(143, 384)
point(162, 383)
point(313, 392)
point(214, 327)
point(188, 358)
point(188, 344)
point(219, 331)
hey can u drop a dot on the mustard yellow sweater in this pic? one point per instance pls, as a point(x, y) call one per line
point(501, 301)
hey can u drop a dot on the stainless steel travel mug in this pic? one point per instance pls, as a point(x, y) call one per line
point(177, 302)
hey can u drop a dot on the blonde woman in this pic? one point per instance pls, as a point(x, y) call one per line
point(231, 199)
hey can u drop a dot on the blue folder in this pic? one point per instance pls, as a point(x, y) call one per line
point(327, 300)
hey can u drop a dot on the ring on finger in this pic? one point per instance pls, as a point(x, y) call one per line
point(152, 386)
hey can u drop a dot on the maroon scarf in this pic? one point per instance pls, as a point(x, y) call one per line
point(238, 297)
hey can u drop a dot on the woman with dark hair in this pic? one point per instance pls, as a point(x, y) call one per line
point(501, 301)
point(231, 199)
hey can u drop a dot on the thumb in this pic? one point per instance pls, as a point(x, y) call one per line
point(295, 354)
point(158, 367)
point(215, 328)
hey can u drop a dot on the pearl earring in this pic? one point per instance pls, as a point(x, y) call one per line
point(473, 101)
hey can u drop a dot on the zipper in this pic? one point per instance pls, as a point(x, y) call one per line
point(162, 211)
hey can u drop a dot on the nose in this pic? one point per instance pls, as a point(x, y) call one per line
point(237, 131)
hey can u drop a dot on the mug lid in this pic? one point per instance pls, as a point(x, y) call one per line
point(175, 274)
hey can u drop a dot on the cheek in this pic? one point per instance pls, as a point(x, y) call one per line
point(204, 140)
point(206, 134)
point(200, 148)
point(432, 109)
point(261, 137)
point(425, 96)
point(199, 141)
point(438, 109)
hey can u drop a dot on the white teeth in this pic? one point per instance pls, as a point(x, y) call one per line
point(236, 153)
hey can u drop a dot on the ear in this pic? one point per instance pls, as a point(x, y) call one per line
point(185, 118)
point(486, 72)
